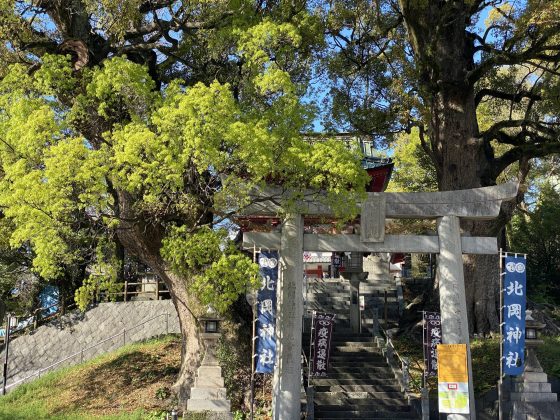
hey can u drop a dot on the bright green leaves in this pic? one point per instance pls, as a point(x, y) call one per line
point(414, 171)
point(49, 177)
point(221, 284)
point(185, 155)
point(121, 84)
point(55, 75)
point(267, 48)
point(218, 272)
point(103, 275)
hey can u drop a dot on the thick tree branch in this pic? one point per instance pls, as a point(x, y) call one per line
point(537, 50)
point(523, 152)
point(514, 97)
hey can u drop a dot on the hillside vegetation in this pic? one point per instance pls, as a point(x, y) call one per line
point(131, 383)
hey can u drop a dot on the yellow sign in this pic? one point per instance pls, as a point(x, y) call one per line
point(453, 378)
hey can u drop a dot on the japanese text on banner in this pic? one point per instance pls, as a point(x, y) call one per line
point(265, 347)
point(432, 337)
point(322, 329)
point(515, 287)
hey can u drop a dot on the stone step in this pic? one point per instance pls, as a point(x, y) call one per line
point(353, 404)
point(208, 405)
point(328, 299)
point(357, 365)
point(358, 397)
point(371, 358)
point(375, 381)
point(371, 388)
point(354, 349)
point(357, 369)
point(345, 333)
point(365, 338)
point(329, 289)
point(365, 415)
point(346, 343)
point(367, 375)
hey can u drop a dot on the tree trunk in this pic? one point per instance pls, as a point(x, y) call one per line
point(444, 53)
point(192, 349)
point(144, 240)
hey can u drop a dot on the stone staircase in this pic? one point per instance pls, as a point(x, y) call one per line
point(360, 382)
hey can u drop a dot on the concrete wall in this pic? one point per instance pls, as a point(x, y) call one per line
point(77, 331)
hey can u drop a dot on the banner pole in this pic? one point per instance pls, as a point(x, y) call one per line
point(501, 382)
point(254, 315)
point(310, 346)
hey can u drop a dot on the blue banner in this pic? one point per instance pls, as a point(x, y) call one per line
point(265, 347)
point(515, 288)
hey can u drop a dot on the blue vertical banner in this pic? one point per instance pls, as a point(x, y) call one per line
point(265, 347)
point(513, 333)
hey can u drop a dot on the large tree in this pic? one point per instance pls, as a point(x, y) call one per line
point(147, 125)
point(480, 79)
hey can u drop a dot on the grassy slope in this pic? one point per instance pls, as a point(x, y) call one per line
point(131, 383)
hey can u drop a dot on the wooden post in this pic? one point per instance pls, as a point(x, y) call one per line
point(157, 289)
point(125, 289)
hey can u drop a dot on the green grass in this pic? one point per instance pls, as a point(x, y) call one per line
point(125, 384)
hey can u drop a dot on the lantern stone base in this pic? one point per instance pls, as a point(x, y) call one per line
point(523, 410)
point(531, 396)
point(209, 395)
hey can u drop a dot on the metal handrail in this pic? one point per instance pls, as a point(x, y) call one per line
point(390, 352)
point(388, 338)
point(81, 352)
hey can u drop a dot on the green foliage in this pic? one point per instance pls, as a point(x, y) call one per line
point(486, 363)
point(77, 148)
point(549, 356)
point(414, 171)
point(218, 272)
point(535, 231)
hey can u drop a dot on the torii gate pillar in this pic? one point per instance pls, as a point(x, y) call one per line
point(452, 298)
point(287, 375)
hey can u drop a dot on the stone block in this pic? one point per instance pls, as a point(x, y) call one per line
point(210, 371)
point(532, 396)
point(532, 377)
point(208, 405)
point(522, 410)
point(210, 393)
point(203, 382)
point(532, 387)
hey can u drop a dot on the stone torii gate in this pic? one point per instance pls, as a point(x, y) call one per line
point(448, 207)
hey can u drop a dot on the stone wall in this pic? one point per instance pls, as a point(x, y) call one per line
point(82, 333)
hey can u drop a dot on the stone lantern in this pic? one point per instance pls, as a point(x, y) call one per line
point(208, 393)
point(531, 390)
point(210, 333)
point(532, 341)
point(354, 273)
